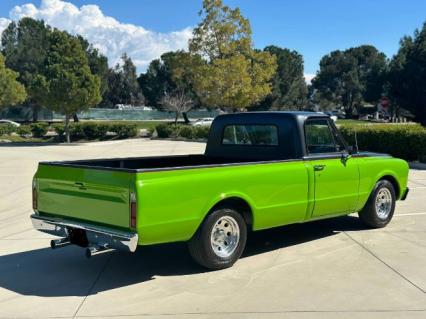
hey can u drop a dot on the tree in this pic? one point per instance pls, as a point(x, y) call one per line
point(407, 75)
point(123, 86)
point(289, 90)
point(24, 45)
point(11, 91)
point(170, 75)
point(132, 93)
point(98, 63)
point(68, 84)
point(351, 77)
point(232, 74)
point(155, 81)
point(177, 102)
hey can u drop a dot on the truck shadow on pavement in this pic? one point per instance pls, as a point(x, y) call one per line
point(66, 272)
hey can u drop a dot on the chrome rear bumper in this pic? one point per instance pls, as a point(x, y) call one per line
point(96, 235)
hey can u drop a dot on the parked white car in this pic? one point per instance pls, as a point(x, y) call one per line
point(206, 121)
point(9, 122)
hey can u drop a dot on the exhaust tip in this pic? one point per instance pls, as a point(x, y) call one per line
point(95, 250)
point(58, 243)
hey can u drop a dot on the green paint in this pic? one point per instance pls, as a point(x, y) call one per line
point(172, 204)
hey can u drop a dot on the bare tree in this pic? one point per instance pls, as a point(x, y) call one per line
point(177, 102)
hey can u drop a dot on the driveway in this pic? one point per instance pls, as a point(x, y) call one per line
point(327, 269)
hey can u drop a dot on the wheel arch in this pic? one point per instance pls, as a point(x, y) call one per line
point(235, 201)
point(394, 181)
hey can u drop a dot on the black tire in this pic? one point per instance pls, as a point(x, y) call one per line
point(370, 215)
point(200, 245)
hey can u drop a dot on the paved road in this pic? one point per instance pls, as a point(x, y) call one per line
point(327, 269)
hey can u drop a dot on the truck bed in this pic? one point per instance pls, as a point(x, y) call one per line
point(139, 164)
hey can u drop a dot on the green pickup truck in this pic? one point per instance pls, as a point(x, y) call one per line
point(259, 170)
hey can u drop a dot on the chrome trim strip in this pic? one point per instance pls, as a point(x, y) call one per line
point(96, 235)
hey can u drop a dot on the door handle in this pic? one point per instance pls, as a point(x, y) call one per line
point(319, 167)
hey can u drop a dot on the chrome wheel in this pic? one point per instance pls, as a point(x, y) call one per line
point(225, 236)
point(383, 203)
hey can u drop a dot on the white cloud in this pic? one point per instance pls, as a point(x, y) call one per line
point(110, 36)
point(309, 77)
point(3, 24)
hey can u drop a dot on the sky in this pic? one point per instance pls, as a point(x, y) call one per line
point(147, 28)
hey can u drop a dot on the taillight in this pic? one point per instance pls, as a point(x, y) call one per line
point(35, 199)
point(133, 208)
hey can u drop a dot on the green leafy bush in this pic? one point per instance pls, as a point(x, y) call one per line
point(59, 129)
point(89, 130)
point(7, 129)
point(185, 131)
point(39, 129)
point(77, 131)
point(400, 140)
point(201, 132)
point(24, 130)
point(101, 130)
point(165, 130)
point(124, 130)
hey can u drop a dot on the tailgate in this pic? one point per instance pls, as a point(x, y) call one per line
point(95, 195)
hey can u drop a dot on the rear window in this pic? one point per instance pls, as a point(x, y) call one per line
point(250, 134)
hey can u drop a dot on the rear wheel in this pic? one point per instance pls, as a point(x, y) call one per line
point(380, 206)
point(220, 240)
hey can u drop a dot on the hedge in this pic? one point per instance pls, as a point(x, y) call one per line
point(7, 129)
point(405, 141)
point(165, 130)
point(24, 130)
point(90, 131)
point(39, 129)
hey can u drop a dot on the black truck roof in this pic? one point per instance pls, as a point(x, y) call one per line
point(290, 126)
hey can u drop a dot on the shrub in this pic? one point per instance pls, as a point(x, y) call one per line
point(39, 129)
point(90, 130)
point(7, 129)
point(102, 129)
point(124, 130)
point(76, 131)
point(400, 140)
point(164, 130)
point(59, 129)
point(201, 132)
point(185, 131)
point(24, 130)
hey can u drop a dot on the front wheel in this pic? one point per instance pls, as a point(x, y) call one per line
point(220, 240)
point(378, 211)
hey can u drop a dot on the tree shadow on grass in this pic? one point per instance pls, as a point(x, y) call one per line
point(66, 272)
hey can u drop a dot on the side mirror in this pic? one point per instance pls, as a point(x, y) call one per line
point(352, 149)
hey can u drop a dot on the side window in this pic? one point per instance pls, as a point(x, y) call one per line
point(320, 137)
point(256, 135)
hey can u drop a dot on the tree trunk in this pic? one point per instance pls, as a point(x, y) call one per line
point(67, 128)
point(185, 117)
point(75, 117)
point(176, 117)
point(35, 108)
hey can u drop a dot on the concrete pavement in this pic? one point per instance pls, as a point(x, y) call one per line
point(328, 269)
